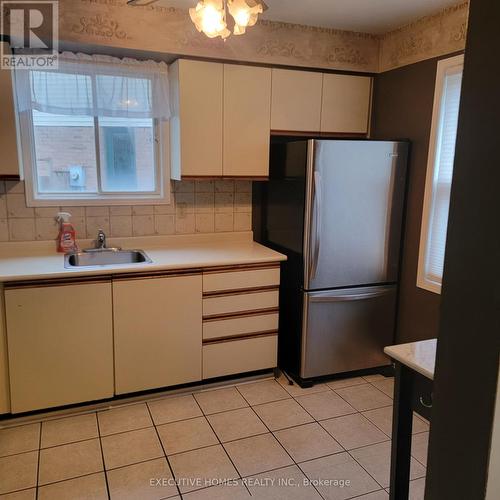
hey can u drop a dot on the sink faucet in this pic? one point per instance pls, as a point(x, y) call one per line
point(100, 242)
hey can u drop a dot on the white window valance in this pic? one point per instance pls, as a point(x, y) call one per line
point(96, 85)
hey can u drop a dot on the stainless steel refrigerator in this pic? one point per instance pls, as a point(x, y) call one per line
point(335, 207)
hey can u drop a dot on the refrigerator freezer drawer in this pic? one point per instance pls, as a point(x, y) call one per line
point(346, 330)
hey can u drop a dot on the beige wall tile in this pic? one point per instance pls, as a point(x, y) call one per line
point(224, 186)
point(166, 209)
point(184, 186)
point(205, 223)
point(46, 228)
point(120, 210)
point(4, 230)
point(143, 225)
point(164, 224)
point(243, 202)
point(185, 224)
point(74, 211)
point(16, 206)
point(121, 225)
point(97, 211)
point(3, 207)
point(142, 210)
point(184, 203)
point(46, 211)
point(243, 186)
point(22, 229)
point(204, 186)
point(223, 222)
point(204, 202)
point(224, 202)
point(243, 222)
point(95, 223)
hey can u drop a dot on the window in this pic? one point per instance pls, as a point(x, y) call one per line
point(439, 173)
point(91, 131)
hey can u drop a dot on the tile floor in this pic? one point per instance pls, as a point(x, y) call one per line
point(264, 439)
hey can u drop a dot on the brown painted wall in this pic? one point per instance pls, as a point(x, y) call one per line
point(403, 101)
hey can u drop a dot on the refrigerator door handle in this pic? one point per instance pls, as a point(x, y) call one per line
point(318, 202)
point(325, 297)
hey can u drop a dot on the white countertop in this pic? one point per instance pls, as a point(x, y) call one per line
point(420, 356)
point(39, 260)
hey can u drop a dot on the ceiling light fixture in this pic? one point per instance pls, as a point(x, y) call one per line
point(209, 16)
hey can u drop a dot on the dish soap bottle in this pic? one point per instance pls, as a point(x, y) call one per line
point(66, 241)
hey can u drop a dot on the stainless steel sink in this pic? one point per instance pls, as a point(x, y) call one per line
point(105, 257)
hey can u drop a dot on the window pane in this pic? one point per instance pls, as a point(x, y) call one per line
point(443, 173)
point(127, 154)
point(64, 153)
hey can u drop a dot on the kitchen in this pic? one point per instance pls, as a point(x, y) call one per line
point(250, 206)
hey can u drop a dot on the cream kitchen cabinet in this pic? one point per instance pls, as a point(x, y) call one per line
point(296, 100)
point(247, 112)
point(157, 331)
point(9, 163)
point(240, 319)
point(346, 103)
point(196, 121)
point(220, 124)
point(60, 344)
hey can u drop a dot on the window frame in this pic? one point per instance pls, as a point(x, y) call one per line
point(161, 152)
point(443, 68)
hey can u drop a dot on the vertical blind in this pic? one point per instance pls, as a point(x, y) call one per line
point(443, 172)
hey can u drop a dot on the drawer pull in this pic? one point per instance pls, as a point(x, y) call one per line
point(424, 404)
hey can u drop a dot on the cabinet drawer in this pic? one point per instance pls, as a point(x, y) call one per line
point(240, 326)
point(253, 278)
point(238, 356)
point(227, 304)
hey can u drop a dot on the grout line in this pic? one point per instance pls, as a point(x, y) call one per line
point(38, 464)
point(285, 450)
point(102, 456)
point(220, 442)
point(163, 449)
point(72, 478)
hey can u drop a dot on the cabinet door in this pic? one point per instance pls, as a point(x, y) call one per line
point(247, 115)
point(158, 332)
point(196, 123)
point(296, 100)
point(9, 166)
point(346, 103)
point(60, 344)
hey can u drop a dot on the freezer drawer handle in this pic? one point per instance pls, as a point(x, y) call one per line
point(345, 298)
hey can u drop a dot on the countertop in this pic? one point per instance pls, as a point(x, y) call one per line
point(420, 356)
point(39, 260)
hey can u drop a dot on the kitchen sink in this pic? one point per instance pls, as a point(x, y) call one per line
point(105, 257)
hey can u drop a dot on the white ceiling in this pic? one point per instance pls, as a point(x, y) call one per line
point(370, 16)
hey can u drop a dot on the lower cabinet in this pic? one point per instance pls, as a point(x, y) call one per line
point(60, 344)
point(157, 332)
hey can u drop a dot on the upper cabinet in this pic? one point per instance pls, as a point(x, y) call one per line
point(196, 122)
point(346, 103)
point(305, 101)
point(220, 119)
point(223, 114)
point(9, 163)
point(247, 111)
point(296, 100)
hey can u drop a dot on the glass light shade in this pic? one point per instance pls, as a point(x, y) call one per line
point(245, 13)
point(209, 17)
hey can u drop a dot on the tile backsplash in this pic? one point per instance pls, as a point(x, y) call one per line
point(196, 207)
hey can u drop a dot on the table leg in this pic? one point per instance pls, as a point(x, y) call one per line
point(401, 434)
